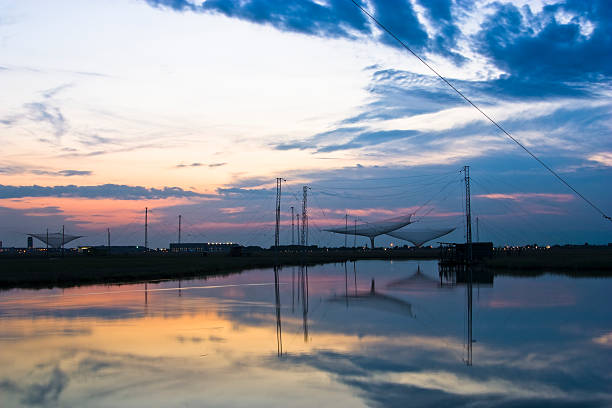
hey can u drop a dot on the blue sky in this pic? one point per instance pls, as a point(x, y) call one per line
point(194, 108)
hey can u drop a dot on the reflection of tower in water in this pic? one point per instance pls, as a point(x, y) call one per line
point(469, 316)
point(304, 286)
point(279, 332)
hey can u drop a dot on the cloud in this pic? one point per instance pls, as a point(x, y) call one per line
point(16, 169)
point(46, 113)
point(70, 173)
point(604, 158)
point(336, 18)
point(46, 392)
point(197, 164)
point(559, 198)
point(113, 191)
point(547, 46)
point(43, 111)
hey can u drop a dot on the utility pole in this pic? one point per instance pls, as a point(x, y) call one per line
point(108, 240)
point(305, 216)
point(179, 237)
point(146, 228)
point(468, 214)
point(292, 228)
point(345, 228)
point(47, 242)
point(297, 217)
point(477, 231)
point(62, 241)
point(355, 237)
point(279, 182)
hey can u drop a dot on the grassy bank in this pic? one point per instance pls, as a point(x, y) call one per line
point(76, 270)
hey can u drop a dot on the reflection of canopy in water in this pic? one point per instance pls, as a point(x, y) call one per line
point(373, 229)
point(417, 281)
point(378, 301)
point(419, 237)
point(54, 240)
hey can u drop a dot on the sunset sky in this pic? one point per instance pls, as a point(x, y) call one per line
point(194, 108)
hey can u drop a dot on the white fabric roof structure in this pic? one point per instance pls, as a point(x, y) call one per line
point(54, 240)
point(374, 229)
point(419, 237)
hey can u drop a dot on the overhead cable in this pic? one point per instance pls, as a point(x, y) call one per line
point(496, 124)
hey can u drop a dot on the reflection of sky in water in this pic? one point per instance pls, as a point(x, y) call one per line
point(538, 341)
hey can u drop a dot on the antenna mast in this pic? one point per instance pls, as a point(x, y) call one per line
point(292, 228)
point(345, 229)
point(468, 214)
point(305, 216)
point(179, 236)
point(279, 182)
point(146, 228)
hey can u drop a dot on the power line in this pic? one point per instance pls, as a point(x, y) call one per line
point(554, 173)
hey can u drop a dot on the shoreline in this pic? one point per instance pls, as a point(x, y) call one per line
point(79, 270)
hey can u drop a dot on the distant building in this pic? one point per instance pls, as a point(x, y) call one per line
point(453, 252)
point(112, 250)
point(203, 247)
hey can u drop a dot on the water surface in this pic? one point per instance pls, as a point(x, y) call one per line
point(311, 337)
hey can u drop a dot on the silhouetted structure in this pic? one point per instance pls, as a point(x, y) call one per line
point(203, 247)
point(56, 239)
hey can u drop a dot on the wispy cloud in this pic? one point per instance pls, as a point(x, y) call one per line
point(43, 111)
point(198, 164)
point(16, 169)
point(560, 198)
point(604, 158)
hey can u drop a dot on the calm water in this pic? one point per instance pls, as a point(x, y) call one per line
point(318, 338)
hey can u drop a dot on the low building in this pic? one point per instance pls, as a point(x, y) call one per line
point(203, 247)
point(112, 250)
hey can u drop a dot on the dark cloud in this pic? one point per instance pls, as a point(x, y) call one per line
point(400, 18)
point(70, 173)
point(113, 191)
point(338, 18)
point(335, 18)
point(439, 12)
point(189, 165)
point(197, 164)
point(539, 46)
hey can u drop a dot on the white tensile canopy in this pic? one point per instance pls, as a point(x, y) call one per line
point(419, 237)
point(54, 240)
point(374, 229)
